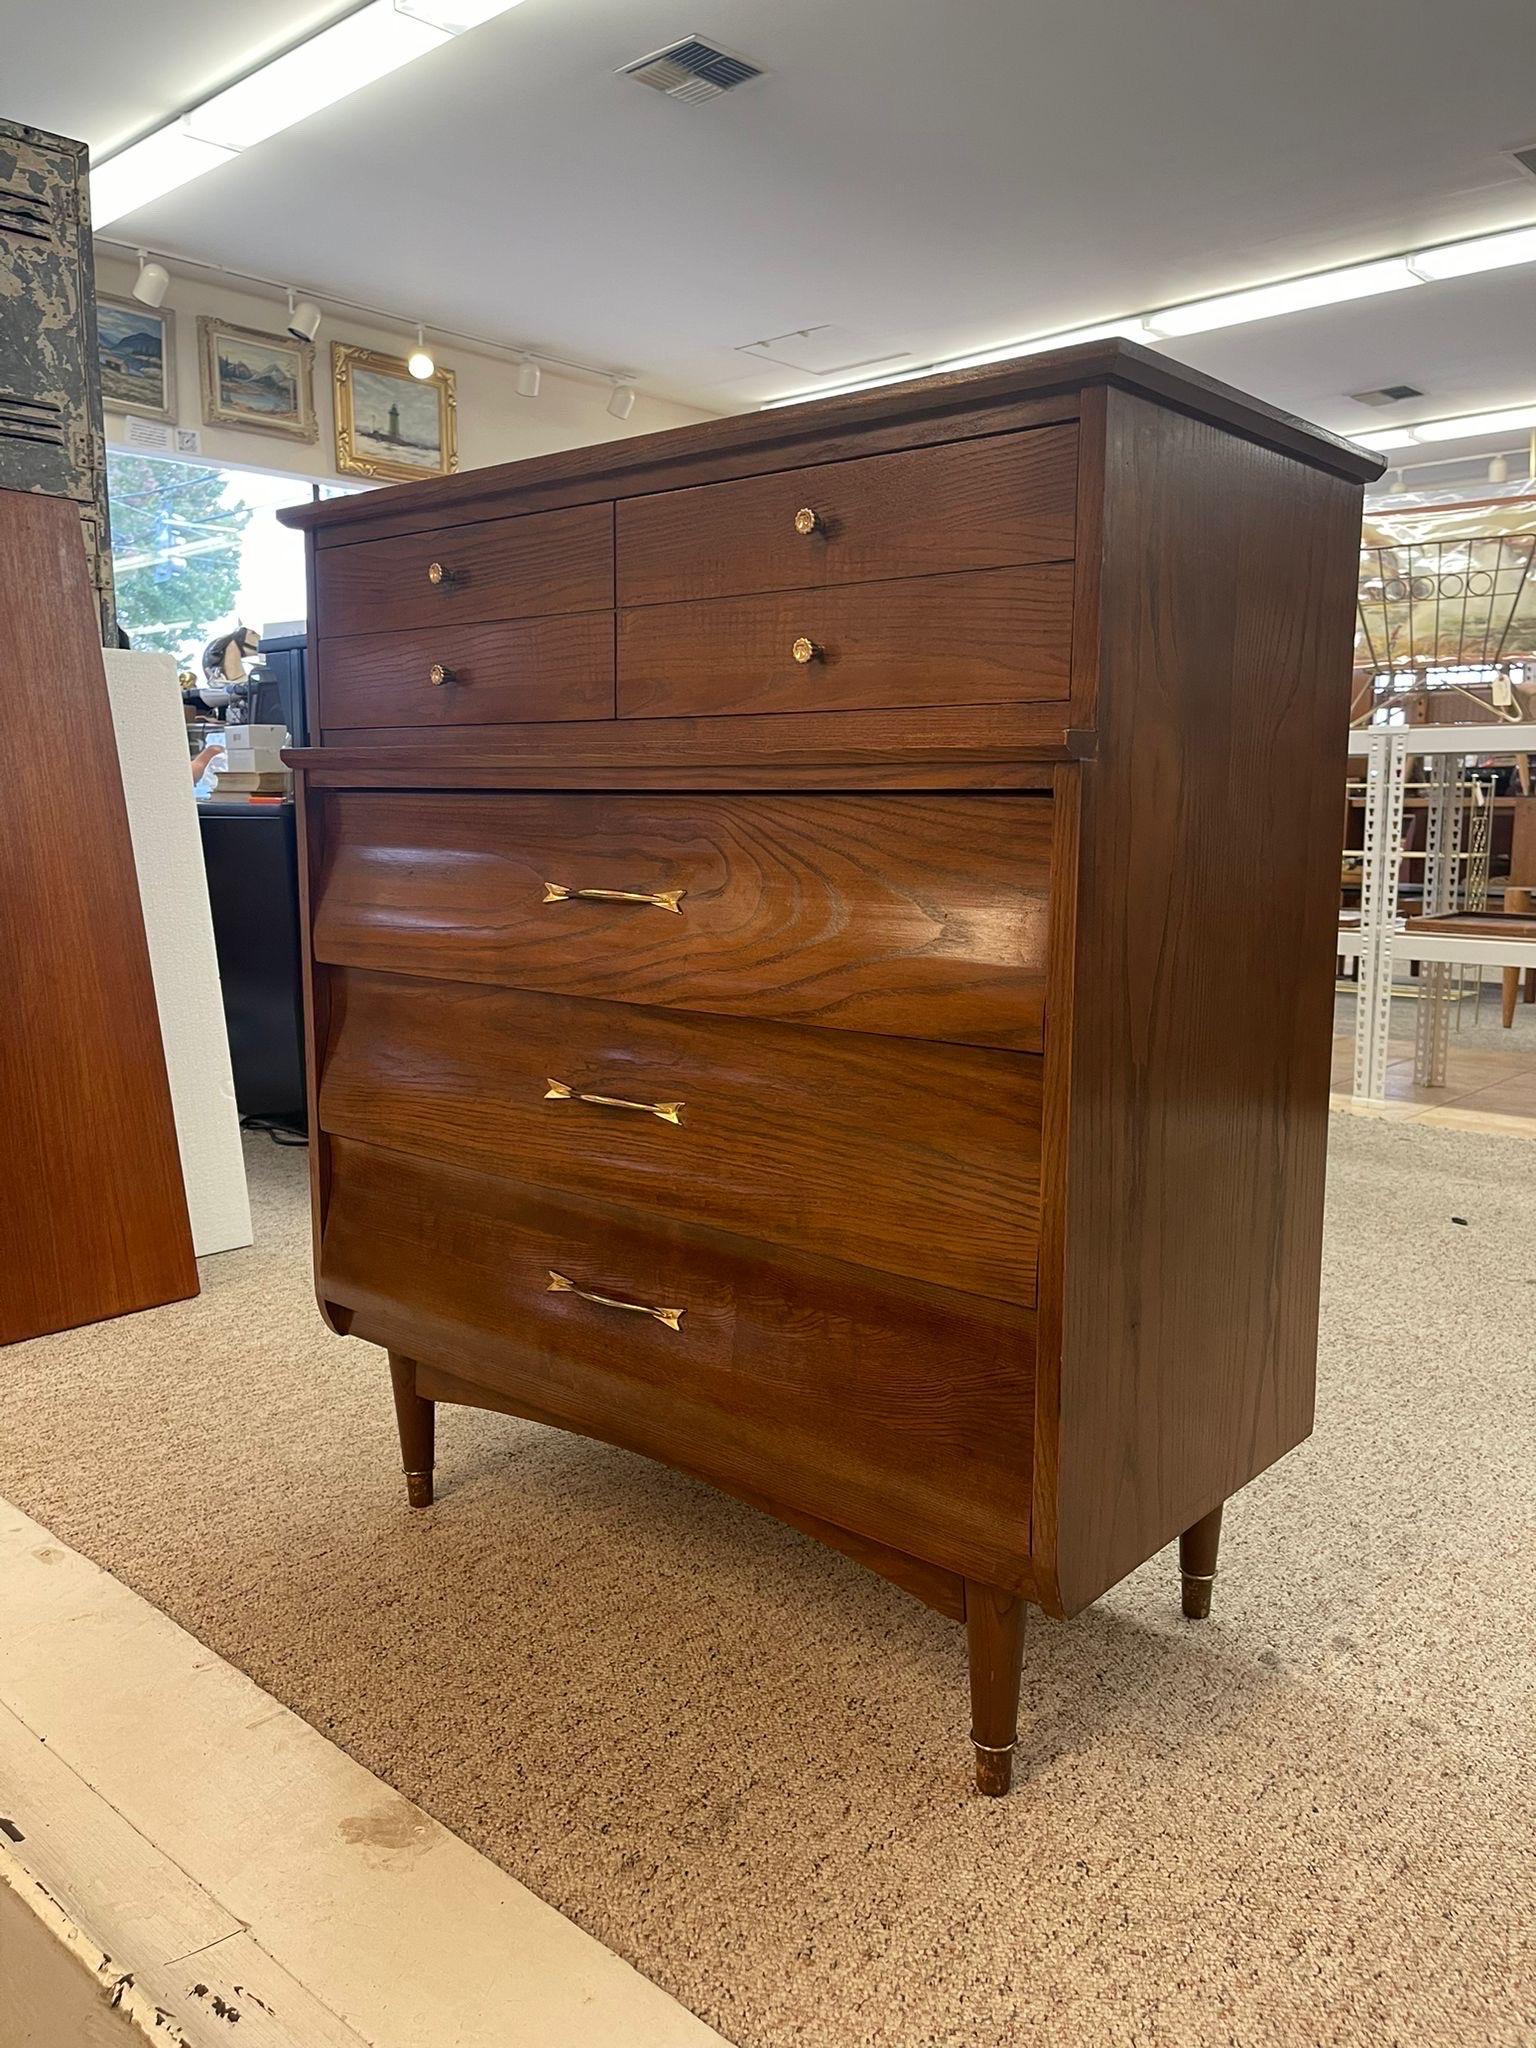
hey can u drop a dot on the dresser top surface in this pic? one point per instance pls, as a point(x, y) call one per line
point(827, 429)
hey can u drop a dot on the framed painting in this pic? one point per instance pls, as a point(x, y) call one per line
point(137, 350)
point(389, 424)
point(264, 383)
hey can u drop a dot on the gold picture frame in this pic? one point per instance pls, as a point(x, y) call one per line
point(380, 407)
point(261, 383)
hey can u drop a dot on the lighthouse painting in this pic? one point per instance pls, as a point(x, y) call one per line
point(389, 424)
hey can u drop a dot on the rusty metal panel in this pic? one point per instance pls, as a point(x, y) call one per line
point(50, 388)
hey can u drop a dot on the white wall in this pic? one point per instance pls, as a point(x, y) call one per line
point(494, 424)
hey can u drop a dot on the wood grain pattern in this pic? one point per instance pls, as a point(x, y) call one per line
point(939, 1589)
point(984, 505)
point(512, 670)
point(917, 1159)
point(952, 406)
point(901, 1412)
point(512, 568)
point(1200, 1013)
point(923, 917)
point(870, 1180)
point(998, 635)
point(90, 1177)
point(989, 746)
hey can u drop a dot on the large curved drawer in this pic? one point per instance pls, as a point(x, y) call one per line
point(920, 916)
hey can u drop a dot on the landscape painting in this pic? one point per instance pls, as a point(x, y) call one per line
point(138, 370)
point(390, 424)
point(265, 382)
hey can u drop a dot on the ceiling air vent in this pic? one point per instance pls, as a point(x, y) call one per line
point(1388, 394)
point(691, 70)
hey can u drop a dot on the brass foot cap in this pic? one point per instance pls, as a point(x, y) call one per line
point(994, 1769)
point(1197, 1596)
point(418, 1489)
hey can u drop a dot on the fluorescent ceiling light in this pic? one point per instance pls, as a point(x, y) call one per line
point(1123, 330)
point(1516, 420)
point(1384, 443)
point(1295, 295)
point(1482, 252)
point(1466, 427)
point(159, 164)
point(343, 58)
point(366, 45)
point(1231, 309)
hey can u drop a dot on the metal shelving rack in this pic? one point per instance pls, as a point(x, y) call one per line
point(1387, 750)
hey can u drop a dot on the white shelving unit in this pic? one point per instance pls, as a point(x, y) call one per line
point(1378, 941)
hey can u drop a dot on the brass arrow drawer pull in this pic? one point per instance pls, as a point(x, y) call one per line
point(664, 899)
point(672, 1317)
point(562, 1091)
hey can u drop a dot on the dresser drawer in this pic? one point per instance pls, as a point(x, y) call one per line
point(920, 916)
point(980, 504)
point(902, 1412)
point(918, 1159)
point(494, 569)
point(995, 636)
point(542, 669)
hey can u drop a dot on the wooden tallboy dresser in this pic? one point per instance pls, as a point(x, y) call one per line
point(820, 936)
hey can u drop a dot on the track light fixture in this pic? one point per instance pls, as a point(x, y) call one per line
point(152, 282)
point(527, 378)
point(622, 403)
point(419, 362)
point(303, 318)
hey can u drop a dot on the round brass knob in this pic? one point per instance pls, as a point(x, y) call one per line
point(805, 650)
point(807, 520)
point(437, 575)
point(439, 674)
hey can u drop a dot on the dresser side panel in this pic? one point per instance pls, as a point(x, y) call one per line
point(1201, 988)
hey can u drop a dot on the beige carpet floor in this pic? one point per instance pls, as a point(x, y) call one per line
point(741, 1762)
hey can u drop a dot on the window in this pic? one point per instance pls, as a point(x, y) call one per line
point(198, 550)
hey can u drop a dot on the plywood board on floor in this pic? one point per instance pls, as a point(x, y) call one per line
point(175, 1810)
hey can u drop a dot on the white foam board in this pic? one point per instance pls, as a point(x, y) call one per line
point(167, 851)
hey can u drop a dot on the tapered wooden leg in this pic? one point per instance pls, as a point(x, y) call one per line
point(1511, 994)
point(1197, 1562)
point(417, 1419)
point(994, 1630)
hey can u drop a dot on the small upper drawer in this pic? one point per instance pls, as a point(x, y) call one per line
point(530, 669)
point(495, 569)
point(920, 916)
point(981, 504)
point(994, 636)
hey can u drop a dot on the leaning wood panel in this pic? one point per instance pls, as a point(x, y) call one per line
point(95, 1217)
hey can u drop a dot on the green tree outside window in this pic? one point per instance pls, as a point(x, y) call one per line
point(175, 552)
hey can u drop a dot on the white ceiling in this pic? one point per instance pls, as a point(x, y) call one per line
point(937, 176)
